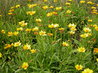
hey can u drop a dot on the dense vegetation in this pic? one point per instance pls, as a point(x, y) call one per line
point(48, 36)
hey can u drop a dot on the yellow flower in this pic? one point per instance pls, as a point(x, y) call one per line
point(58, 8)
point(55, 0)
point(49, 14)
point(65, 44)
point(82, 1)
point(87, 70)
point(68, 11)
point(89, 20)
point(71, 32)
point(26, 47)
point(51, 7)
point(28, 30)
point(8, 46)
point(15, 33)
point(19, 29)
point(31, 12)
point(61, 29)
point(45, 7)
point(38, 20)
point(72, 25)
point(32, 5)
point(45, 0)
point(43, 33)
point(49, 34)
point(85, 35)
point(95, 50)
point(1, 55)
point(67, 3)
point(79, 67)
point(35, 29)
point(22, 23)
point(2, 31)
point(25, 65)
point(17, 6)
point(86, 29)
point(16, 44)
point(10, 13)
point(53, 26)
point(89, 2)
point(81, 49)
point(33, 50)
point(10, 33)
point(97, 59)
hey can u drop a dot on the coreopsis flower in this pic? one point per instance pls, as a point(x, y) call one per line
point(95, 50)
point(87, 70)
point(10, 13)
point(15, 33)
point(65, 44)
point(72, 25)
point(31, 12)
point(32, 5)
point(78, 67)
point(55, 0)
point(19, 29)
point(16, 44)
point(90, 20)
point(45, 0)
point(53, 25)
point(10, 33)
point(49, 34)
point(25, 65)
point(1, 55)
point(42, 33)
point(67, 3)
point(38, 20)
point(70, 0)
point(86, 29)
point(33, 50)
point(49, 14)
point(85, 35)
point(68, 11)
point(11, 10)
point(97, 59)
point(90, 2)
point(51, 7)
point(61, 29)
point(28, 30)
point(26, 47)
point(58, 8)
point(71, 32)
point(17, 6)
point(45, 7)
point(35, 29)
point(96, 28)
point(8, 46)
point(82, 1)
point(81, 49)
point(93, 7)
point(22, 23)
point(2, 31)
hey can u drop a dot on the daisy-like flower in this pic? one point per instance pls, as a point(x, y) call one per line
point(16, 44)
point(87, 70)
point(25, 65)
point(26, 47)
point(78, 67)
point(1, 55)
point(65, 44)
point(81, 49)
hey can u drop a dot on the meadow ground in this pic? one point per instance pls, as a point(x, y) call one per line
point(48, 36)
